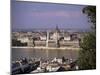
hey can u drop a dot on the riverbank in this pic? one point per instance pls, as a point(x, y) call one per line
point(50, 48)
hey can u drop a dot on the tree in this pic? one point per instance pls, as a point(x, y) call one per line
point(87, 53)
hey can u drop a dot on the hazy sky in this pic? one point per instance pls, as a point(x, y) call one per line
point(28, 15)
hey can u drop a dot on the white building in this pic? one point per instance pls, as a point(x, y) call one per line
point(67, 38)
point(27, 40)
point(23, 39)
point(43, 38)
point(56, 34)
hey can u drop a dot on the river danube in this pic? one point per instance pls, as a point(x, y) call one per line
point(18, 53)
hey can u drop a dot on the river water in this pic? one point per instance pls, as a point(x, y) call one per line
point(45, 54)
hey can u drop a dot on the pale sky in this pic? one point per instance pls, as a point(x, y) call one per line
point(28, 15)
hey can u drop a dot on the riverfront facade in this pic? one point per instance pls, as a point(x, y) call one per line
point(47, 38)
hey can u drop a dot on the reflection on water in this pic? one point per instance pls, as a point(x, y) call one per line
point(45, 54)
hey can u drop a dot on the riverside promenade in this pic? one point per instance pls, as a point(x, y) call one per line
point(51, 48)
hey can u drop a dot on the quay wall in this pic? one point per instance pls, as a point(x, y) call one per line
point(61, 43)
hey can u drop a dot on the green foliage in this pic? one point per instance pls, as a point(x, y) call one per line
point(89, 41)
point(90, 11)
point(87, 53)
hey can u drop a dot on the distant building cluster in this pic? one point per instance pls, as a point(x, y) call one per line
point(39, 38)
